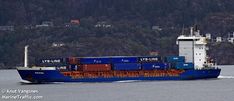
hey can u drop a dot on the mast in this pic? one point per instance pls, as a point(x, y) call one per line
point(26, 56)
point(191, 31)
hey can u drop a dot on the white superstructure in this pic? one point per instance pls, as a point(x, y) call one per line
point(193, 47)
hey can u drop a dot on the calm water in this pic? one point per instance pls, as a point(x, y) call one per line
point(221, 89)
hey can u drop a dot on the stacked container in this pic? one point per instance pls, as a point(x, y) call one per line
point(95, 67)
point(96, 60)
point(147, 59)
point(48, 62)
point(125, 63)
point(73, 63)
point(120, 63)
point(152, 63)
point(178, 62)
point(154, 66)
point(72, 60)
point(73, 67)
point(174, 59)
point(126, 66)
point(181, 65)
point(124, 60)
point(91, 64)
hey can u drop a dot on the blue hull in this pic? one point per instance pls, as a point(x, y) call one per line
point(38, 76)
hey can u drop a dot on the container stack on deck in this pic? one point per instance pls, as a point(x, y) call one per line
point(95, 64)
point(152, 63)
point(125, 63)
point(178, 62)
point(72, 63)
point(49, 62)
point(120, 63)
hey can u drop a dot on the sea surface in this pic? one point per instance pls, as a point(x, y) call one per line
point(221, 89)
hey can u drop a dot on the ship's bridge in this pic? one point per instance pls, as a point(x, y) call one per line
point(193, 47)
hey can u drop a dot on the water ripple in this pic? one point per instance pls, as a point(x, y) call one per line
point(226, 77)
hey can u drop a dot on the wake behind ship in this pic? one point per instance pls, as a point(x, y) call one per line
point(192, 63)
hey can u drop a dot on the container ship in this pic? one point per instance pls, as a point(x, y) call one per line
point(191, 63)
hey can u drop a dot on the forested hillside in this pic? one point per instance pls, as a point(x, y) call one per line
point(109, 27)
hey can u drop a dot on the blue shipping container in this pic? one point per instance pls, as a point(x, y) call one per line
point(154, 66)
point(150, 59)
point(175, 59)
point(50, 62)
point(181, 65)
point(124, 59)
point(127, 66)
point(172, 65)
point(73, 67)
point(98, 60)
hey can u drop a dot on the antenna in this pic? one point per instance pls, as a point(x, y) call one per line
point(26, 56)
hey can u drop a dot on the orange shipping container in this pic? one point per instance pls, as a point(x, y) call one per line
point(95, 67)
point(73, 60)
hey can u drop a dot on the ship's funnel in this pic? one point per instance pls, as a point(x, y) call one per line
point(26, 56)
